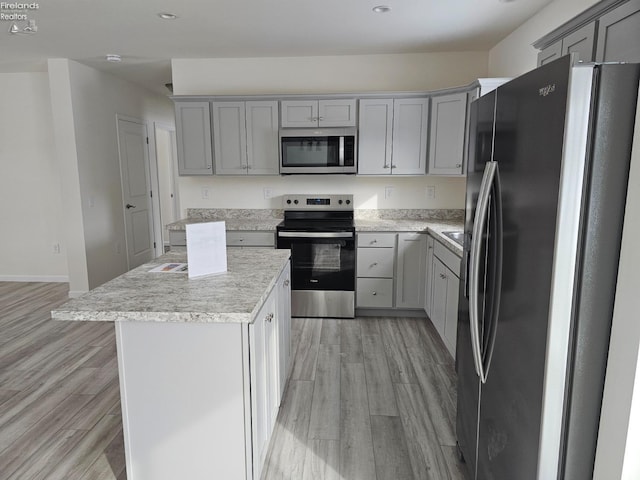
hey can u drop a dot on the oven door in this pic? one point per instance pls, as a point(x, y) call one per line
point(320, 260)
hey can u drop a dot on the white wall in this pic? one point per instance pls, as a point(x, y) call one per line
point(30, 201)
point(515, 55)
point(86, 138)
point(321, 75)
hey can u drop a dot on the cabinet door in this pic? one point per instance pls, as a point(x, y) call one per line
point(581, 42)
point(375, 262)
point(193, 134)
point(439, 299)
point(262, 138)
point(409, 145)
point(374, 292)
point(337, 113)
point(229, 138)
point(262, 348)
point(284, 326)
point(549, 54)
point(374, 137)
point(619, 34)
point(428, 287)
point(471, 96)
point(451, 313)
point(446, 141)
point(411, 265)
point(299, 113)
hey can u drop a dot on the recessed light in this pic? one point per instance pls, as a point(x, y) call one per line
point(112, 57)
point(381, 9)
point(167, 16)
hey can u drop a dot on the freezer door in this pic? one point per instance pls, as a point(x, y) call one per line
point(528, 146)
point(480, 153)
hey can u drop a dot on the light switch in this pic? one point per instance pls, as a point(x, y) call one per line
point(268, 192)
point(205, 193)
point(389, 191)
point(431, 192)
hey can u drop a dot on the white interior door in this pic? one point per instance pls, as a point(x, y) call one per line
point(167, 189)
point(136, 191)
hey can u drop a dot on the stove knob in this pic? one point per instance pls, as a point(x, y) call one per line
point(289, 202)
point(339, 202)
point(295, 201)
point(348, 202)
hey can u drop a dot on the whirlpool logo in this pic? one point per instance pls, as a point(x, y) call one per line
point(544, 91)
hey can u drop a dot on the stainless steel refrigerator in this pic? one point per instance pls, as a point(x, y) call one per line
point(546, 188)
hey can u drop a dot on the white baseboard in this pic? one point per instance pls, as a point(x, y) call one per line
point(35, 278)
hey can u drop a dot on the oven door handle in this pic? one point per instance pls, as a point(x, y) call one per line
point(316, 234)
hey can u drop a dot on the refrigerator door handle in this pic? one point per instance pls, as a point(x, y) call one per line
point(479, 222)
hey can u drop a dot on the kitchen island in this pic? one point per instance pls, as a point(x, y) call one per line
point(202, 362)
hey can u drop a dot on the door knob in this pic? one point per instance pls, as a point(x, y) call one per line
point(130, 206)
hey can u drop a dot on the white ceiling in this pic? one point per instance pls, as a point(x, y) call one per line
point(87, 30)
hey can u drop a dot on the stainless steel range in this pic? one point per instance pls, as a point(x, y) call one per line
point(320, 232)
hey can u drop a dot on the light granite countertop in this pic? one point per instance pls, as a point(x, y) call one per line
point(143, 296)
point(232, 224)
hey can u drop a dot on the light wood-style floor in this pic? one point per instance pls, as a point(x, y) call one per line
point(370, 398)
point(59, 394)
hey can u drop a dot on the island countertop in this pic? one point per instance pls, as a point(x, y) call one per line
point(143, 296)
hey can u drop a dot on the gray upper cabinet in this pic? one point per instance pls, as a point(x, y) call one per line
point(549, 54)
point(375, 137)
point(447, 137)
point(608, 31)
point(392, 136)
point(619, 34)
point(581, 42)
point(245, 137)
point(318, 113)
point(193, 132)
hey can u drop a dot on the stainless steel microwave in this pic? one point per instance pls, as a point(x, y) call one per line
point(318, 150)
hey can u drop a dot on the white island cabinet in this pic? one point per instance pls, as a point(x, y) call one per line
point(200, 363)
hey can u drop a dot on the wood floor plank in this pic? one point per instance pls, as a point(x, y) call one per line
point(330, 334)
point(287, 450)
point(369, 325)
point(351, 341)
point(322, 460)
point(304, 366)
point(390, 449)
point(400, 366)
point(425, 454)
point(382, 399)
point(454, 465)
point(356, 445)
point(325, 407)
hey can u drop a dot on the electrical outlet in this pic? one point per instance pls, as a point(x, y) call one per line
point(431, 192)
point(56, 248)
point(205, 193)
point(389, 191)
point(268, 192)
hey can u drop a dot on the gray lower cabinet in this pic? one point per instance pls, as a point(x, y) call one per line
point(392, 136)
point(447, 134)
point(235, 238)
point(410, 273)
point(619, 34)
point(390, 270)
point(428, 290)
point(193, 133)
point(245, 138)
point(444, 287)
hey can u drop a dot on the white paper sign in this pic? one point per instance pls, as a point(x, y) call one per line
point(206, 248)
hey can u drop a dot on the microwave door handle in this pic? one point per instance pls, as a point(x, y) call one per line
point(341, 151)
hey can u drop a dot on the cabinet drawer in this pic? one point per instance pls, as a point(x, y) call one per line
point(375, 262)
point(450, 259)
point(177, 238)
point(377, 240)
point(250, 239)
point(374, 292)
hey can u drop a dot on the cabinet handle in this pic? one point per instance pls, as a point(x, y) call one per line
point(269, 317)
point(373, 264)
point(248, 167)
point(393, 166)
point(320, 118)
point(286, 283)
point(208, 166)
point(458, 165)
point(241, 239)
point(374, 293)
point(386, 166)
point(373, 241)
point(430, 247)
point(442, 275)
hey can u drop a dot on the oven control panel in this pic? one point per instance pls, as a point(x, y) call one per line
point(317, 202)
